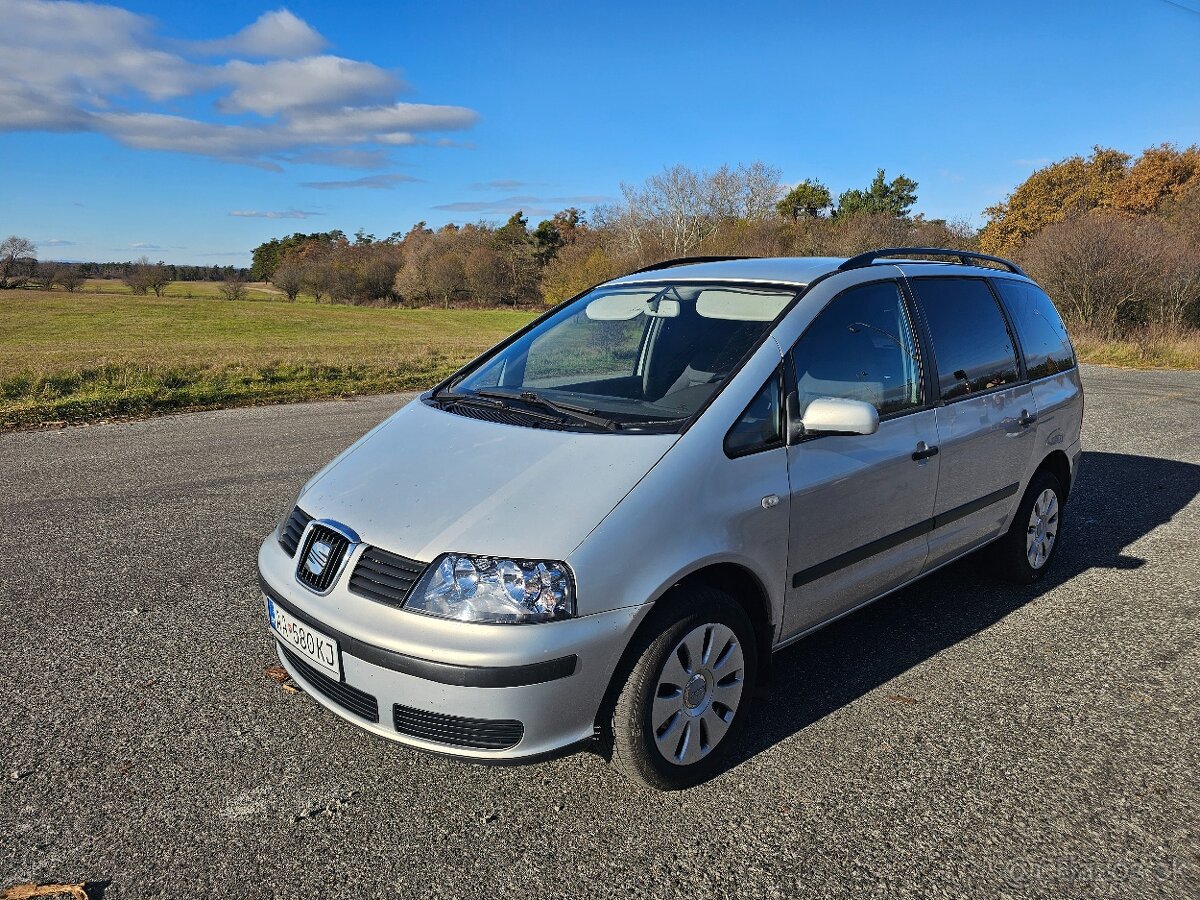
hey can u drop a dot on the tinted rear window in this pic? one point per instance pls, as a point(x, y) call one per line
point(971, 344)
point(1039, 327)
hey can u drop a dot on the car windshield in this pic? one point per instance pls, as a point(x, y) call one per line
point(631, 357)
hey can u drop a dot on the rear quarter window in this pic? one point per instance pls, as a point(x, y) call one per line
point(972, 346)
point(1039, 327)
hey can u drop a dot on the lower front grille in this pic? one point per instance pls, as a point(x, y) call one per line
point(457, 731)
point(362, 704)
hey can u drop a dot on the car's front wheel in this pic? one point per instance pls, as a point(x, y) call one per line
point(687, 694)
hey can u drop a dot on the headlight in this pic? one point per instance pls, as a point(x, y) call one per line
point(494, 590)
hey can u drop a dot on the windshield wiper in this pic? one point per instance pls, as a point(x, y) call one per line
point(579, 413)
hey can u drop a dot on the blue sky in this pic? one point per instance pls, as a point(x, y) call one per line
point(193, 131)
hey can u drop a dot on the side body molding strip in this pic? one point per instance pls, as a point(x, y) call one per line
point(895, 539)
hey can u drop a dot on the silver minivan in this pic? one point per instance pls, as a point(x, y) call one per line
point(598, 532)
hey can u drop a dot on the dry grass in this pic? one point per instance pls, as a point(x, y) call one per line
point(1140, 348)
point(84, 356)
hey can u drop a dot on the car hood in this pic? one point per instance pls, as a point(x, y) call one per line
point(428, 481)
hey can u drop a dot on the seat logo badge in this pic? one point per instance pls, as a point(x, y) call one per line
point(318, 557)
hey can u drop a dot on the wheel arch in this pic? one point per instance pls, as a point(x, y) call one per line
point(736, 580)
point(1058, 465)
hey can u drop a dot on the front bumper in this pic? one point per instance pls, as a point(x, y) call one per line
point(453, 687)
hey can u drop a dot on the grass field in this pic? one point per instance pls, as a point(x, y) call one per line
point(255, 290)
point(86, 356)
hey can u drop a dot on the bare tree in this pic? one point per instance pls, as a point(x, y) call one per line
point(673, 212)
point(377, 273)
point(139, 276)
point(70, 278)
point(1098, 267)
point(289, 278)
point(318, 276)
point(18, 257)
point(484, 278)
point(233, 288)
point(43, 275)
point(446, 276)
point(1177, 292)
point(158, 277)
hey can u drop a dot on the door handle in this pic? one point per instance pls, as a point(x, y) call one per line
point(1026, 419)
point(924, 452)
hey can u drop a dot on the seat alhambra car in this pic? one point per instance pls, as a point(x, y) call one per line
point(599, 531)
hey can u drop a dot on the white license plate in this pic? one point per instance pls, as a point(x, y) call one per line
point(304, 641)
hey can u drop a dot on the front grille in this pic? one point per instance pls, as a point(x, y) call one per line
point(321, 558)
point(362, 704)
point(480, 734)
point(384, 576)
point(293, 528)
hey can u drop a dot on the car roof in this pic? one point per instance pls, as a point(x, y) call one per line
point(786, 269)
point(779, 269)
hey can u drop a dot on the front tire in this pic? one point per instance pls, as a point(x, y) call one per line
point(1023, 555)
point(687, 694)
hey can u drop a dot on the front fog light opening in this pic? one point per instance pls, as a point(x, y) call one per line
point(496, 590)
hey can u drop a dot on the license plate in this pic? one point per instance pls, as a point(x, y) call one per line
point(304, 641)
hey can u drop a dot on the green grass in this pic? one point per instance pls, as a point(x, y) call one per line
point(85, 356)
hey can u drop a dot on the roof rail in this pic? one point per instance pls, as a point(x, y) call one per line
point(963, 256)
point(685, 261)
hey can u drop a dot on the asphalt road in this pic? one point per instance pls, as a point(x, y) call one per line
point(962, 738)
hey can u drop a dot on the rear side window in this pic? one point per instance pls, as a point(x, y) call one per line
point(1043, 337)
point(861, 348)
point(971, 344)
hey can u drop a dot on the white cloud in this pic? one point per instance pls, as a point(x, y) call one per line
point(142, 245)
point(78, 67)
point(274, 214)
point(276, 33)
point(315, 81)
point(55, 242)
point(535, 206)
point(373, 182)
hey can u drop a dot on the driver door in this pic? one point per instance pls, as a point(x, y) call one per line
point(861, 505)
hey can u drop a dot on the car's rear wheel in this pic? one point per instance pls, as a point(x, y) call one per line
point(1025, 552)
point(686, 696)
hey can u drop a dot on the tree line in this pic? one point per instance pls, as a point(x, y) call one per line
point(20, 267)
point(679, 212)
point(1114, 238)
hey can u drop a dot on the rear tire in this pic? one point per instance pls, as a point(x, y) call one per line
point(687, 696)
point(1025, 552)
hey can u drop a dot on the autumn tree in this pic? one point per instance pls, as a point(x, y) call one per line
point(1157, 177)
point(1050, 195)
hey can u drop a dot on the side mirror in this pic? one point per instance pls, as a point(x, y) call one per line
point(830, 415)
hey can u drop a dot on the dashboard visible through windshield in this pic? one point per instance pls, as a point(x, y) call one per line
point(642, 357)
